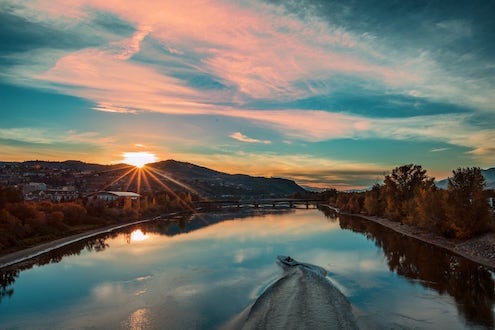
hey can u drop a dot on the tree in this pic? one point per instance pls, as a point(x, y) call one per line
point(428, 209)
point(10, 195)
point(400, 188)
point(373, 204)
point(467, 208)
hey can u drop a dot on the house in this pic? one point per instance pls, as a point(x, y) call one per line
point(33, 186)
point(121, 199)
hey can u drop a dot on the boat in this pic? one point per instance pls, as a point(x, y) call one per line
point(287, 260)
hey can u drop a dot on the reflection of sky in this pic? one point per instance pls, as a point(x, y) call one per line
point(205, 277)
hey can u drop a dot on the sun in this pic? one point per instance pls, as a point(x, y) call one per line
point(138, 159)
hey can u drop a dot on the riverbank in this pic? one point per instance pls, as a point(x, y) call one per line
point(480, 249)
point(26, 254)
point(32, 252)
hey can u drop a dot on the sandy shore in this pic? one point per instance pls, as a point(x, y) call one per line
point(479, 249)
point(26, 254)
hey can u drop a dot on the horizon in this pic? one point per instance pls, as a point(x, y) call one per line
point(329, 95)
point(309, 188)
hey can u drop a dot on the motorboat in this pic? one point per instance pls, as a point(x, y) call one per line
point(287, 260)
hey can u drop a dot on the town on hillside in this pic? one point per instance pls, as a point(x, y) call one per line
point(72, 180)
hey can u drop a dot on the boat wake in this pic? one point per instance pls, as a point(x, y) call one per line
point(302, 299)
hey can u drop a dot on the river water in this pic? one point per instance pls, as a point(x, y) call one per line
point(205, 271)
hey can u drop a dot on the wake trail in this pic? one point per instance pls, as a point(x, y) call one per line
point(302, 299)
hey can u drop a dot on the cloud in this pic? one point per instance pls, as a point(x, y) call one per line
point(25, 134)
point(190, 58)
point(257, 50)
point(304, 168)
point(232, 50)
point(439, 149)
point(243, 138)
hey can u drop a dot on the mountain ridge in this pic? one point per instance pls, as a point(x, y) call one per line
point(209, 181)
point(165, 175)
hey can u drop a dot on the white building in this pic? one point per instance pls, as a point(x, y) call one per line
point(124, 199)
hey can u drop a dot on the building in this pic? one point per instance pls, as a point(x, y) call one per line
point(121, 199)
point(33, 186)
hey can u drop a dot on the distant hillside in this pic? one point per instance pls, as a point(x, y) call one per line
point(68, 165)
point(213, 183)
point(170, 174)
point(488, 174)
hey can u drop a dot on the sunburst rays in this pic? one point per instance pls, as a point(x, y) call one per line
point(142, 178)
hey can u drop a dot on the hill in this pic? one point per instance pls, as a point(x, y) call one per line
point(159, 176)
point(209, 182)
point(488, 174)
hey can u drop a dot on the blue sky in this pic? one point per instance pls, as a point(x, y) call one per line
point(329, 93)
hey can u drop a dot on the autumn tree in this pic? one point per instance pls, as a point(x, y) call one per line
point(342, 200)
point(467, 209)
point(428, 212)
point(350, 202)
point(400, 188)
point(9, 195)
point(373, 202)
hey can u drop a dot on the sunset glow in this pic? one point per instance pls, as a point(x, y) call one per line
point(139, 159)
point(327, 94)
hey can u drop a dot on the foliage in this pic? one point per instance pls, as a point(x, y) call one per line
point(350, 202)
point(24, 223)
point(467, 210)
point(409, 195)
point(401, 186)
point(373, 201)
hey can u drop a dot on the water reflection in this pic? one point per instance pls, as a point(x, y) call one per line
point(469, 284)
point(8, 275)
point(174, 277)
point(178, 224)
point(138, 320)
point(137, 236)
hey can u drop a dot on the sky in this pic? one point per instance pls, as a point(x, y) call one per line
point(328, 93)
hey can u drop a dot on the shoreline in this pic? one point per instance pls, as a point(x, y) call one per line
point(16, 257)
point(480, 249)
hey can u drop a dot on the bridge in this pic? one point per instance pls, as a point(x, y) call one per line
point(256, 203)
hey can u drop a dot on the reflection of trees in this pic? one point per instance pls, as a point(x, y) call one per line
point(329, 213)
point(181, 223)
point(7, 278)
point(469, 284)
point(8, 275)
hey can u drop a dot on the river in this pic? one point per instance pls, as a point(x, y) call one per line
point(205, 271)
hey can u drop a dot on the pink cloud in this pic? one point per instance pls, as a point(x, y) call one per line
point(118, 85)
point(308, 125)
point(243, 138)
point(257, 47)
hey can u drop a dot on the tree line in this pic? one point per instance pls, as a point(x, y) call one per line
point(410, 196)
point(26, 223)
